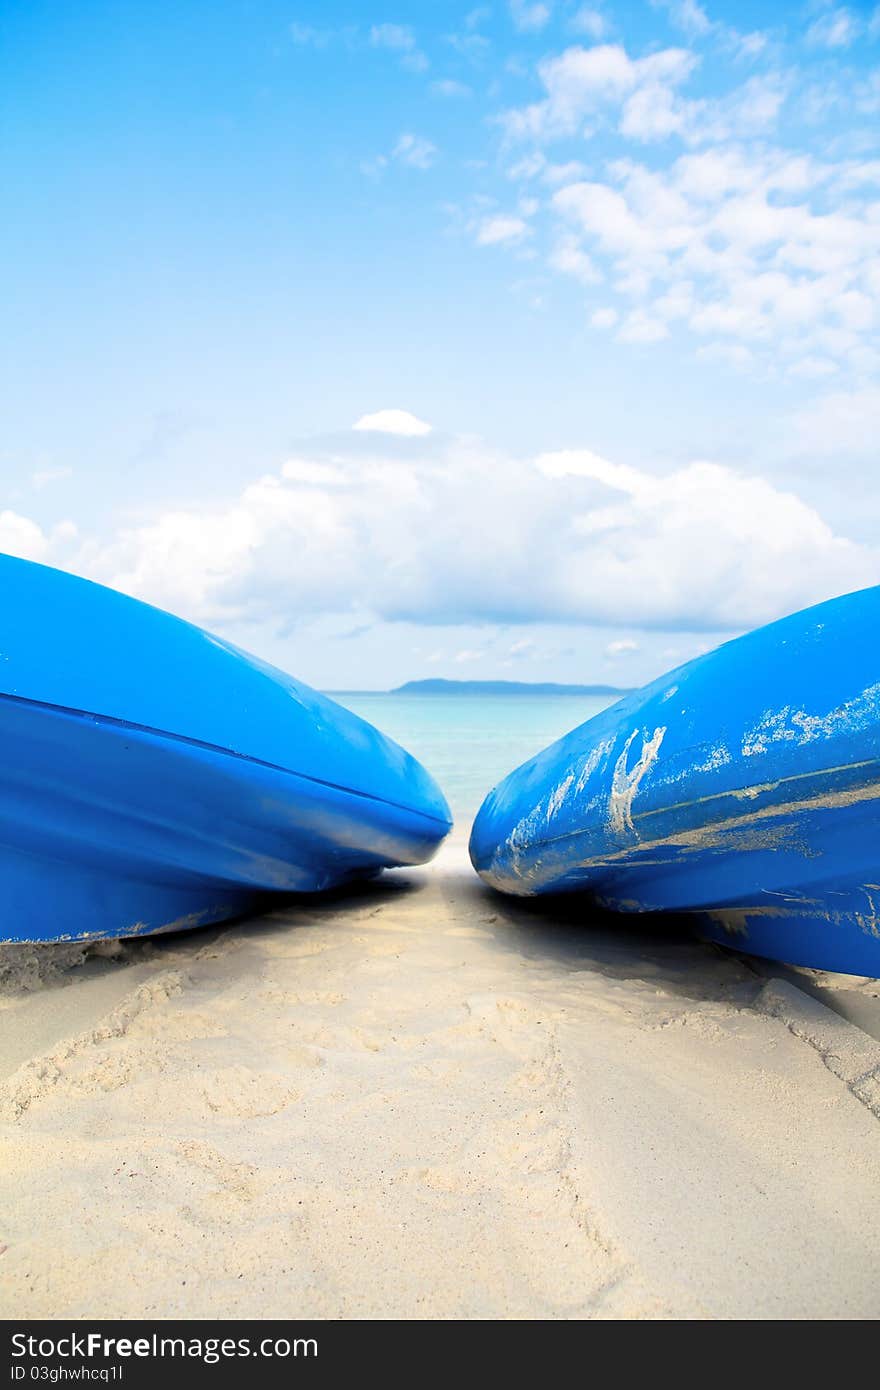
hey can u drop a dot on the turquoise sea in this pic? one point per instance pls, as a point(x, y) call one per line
point(469, 742)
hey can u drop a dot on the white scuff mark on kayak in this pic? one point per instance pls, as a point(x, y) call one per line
point(719, 757)
point(788, 725)
point(625, 782)
point(591, 762)
point(870, 920)
point(713, 759)
point(557, 797)
point(673, 689)
point(521, 838)
point(530, 827)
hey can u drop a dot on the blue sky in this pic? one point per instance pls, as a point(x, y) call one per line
point(598, 284)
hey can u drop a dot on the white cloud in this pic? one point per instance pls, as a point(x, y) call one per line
point(414, 151)
point(604, 318)
point(22, 537)
point(556, 174)
point(589, 21)
point(764, 246)
point(535, 165)
point(813, 368)
point(424, 533)
point(300, 470)
point(691, 19)
point(571, 259)
point(415, 61)
point(656, 111)
point(450, 87)
point(399, 39)
point(588, 86)
point(582, 81)
point(688, 16)
point(734, 355)
point(502, 228)
point(639, 327)
point(748, 45)
point(837, 29)
point(529, 167)
point(528, 16)
point(399, 422)
point(524, 649)
point(25, 538)
point(606, 215)
point(43, 477)
point(841, 422)
point(306, 35)
point(473, 47)
point(623, 647)
point(374, 167)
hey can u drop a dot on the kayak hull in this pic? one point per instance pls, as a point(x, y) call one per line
point(109, 830)
point(742, 789)
point(114, 828)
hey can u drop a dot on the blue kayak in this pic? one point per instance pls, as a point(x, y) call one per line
point(743, 788)
point(155, 777)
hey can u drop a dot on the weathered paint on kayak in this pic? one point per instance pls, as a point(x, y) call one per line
point(743, 787)
point(155, 777)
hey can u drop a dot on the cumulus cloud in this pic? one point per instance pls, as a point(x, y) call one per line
point(639, 327)
point(763, 248)
point(581, 82)
point(25, 538)
point(415, 151)
point(522, 650)
point(450, 87)
point(307, 35)
point(588, 87)
point(44, 477)
point(688, 16)
point(393, 422)
point(642, 95)
point(838, 28)
point(571, 258)
point(423, 533)
point(767, 253)
point(528, 16)
point(412, 151)
point(501, 228)
point(590, 21)
point(399, 39)
point(22, 537)
point(691, 19)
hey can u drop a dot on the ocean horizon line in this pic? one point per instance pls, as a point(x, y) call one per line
point(443, 686)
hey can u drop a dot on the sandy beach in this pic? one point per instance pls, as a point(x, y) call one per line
point(420, 1100)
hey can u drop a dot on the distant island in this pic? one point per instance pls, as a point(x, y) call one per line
point(444, 687)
